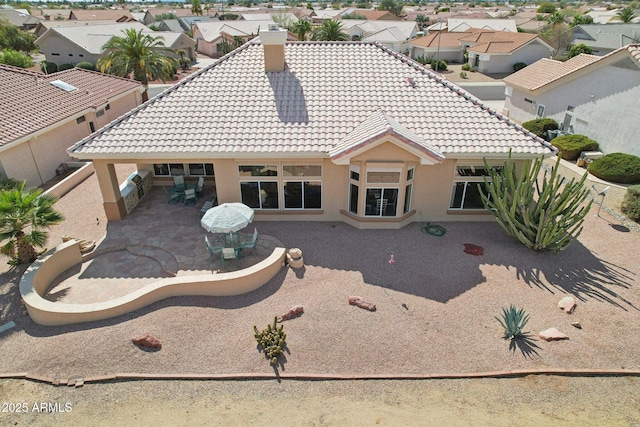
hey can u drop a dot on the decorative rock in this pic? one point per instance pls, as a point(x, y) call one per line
point(567, 304)
point(552, 334)
point(294, 258)
point(576, 325)
point(472, 249)
point(294, 311)
point(359, 302)
point(147, 340)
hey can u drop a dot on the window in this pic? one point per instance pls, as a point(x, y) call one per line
point(80, 120)
point(382, 176)
point(381, 201)
point(92, 127)
point(201, 169)
point(540, 112)
point(258, 170)
point(303, 195)
point(260, 194)
point(100, 113)
point(468, 183)
point(528, 100)
point(168, 169)
point(309, 170)
point(81, 55)
point(408, 190)
point(107, 107)
point(353, 199)
point(71, 54)
point(55, 54)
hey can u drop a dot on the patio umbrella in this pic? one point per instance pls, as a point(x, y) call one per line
point(227, 218)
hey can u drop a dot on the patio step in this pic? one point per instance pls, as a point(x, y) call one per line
point(162, 256)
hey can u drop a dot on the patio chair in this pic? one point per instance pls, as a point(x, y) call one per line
point(200, 186)
point(381, 204)
point(190, 197)
point(251, 243)
point(172, 196)
point(178, 182)
point(212, 248)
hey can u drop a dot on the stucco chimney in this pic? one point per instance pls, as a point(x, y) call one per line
point(273, 44)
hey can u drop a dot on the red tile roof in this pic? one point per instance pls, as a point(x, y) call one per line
point(31, 103)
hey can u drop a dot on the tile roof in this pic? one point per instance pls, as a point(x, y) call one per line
point(30, 103)
point(459, 25)
point(407, 28)
point(546, 71)
point(444, 40)
point(213, 30)
point(328, 89)
point(499, 41)
point(91, 14)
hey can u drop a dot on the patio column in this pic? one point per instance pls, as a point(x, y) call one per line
point(114, 207)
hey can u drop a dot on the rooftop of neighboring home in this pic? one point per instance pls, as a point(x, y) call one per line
point(370, 15)
point(484, 41)
point(19, 18)
point(93, 37)
point(407, 28)
point(330, 98)
point(32, 101)
point(610, 36)
point(211, 31)
point(546, 71)
point(458, 25)
point(43, 26)
point(119, 15)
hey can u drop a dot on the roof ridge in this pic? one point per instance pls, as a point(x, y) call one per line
point(20, 70)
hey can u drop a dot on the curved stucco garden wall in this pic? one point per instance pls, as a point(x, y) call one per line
point(45, 269)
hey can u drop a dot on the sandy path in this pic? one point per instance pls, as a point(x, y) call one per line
point(532, 400)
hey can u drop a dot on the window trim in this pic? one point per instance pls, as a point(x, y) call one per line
point(303, 181)
point(467, 180)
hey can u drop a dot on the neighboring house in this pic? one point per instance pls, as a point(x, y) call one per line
point(62, 45)
point(605, 38)
point(319, 16)
point(151, 13)
point(317, 131)
point(393, 34)
point(590, 95)
point(489, 51)
point(457, 25)
point(604, 16)
point(211, 36)
point(117, 15)
point(19, 18)
point(371, 15)
point(43, 26)
point(172, 25)
point(43, 115)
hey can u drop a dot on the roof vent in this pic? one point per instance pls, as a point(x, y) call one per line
point(63, 85)
point(273, 27)
point(411, 81)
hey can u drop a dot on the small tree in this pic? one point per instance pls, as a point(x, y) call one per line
point(543, 214)
point(578, 49)
point(25, 215)
point(301, 28)
point(546, 7)
point(15, 58)
point(392, 6)
point(196, 7)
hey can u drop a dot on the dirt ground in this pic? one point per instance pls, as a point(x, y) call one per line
point(532, 401)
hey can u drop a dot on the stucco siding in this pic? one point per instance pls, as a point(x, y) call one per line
point(504, 63)
point(605, 106)
point(60, 50)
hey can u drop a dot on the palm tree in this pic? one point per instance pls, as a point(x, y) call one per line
point(556, 18)
point(626, 15)
point(331, 30)
point(25, 214)
point(301, 28)
point(141, 54)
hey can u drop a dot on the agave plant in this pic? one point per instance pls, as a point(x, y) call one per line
point(513, 321)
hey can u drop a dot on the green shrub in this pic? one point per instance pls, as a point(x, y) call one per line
point(578, 49)
point(86, 66)
point(617, 167)
point(472, 69)
point(466, 67)
point(513, 321)
point(631, 203)
point(439, 64)
point(63, 67)
point(463, 74)
point(570, 146)
point(15, 58)
point(8, 183)
point(540, 126)
point(48, 67)
point(519, 66)
point(422, 60)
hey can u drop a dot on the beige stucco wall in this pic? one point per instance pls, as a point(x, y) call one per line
point(37, 159)
point(605, 107)
point(69, 52)
point(504, 63)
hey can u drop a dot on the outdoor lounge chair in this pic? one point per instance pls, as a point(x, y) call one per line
point(250, 243)
point(190, 197)
point(200, 186)
point(172, 196)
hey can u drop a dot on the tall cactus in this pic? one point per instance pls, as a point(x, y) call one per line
point(546, 213)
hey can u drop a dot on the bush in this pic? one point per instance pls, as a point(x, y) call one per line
point(48, 67)
point(546, 7)
point(519, 66)
point(578, 49)
point(631, 203)
point(463, 74)
point(617, 167)
point(86, 66)
point(540, 126)
point(15, 58)
point(422, 60)
point(472, 69)
point(63, 67)
point(570, 146)
point(439, 64)
point(466, 67)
